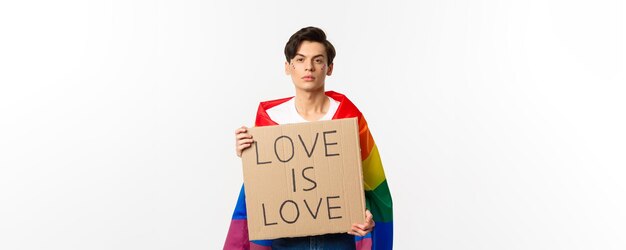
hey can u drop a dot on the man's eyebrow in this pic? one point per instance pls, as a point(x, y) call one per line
point(298, 54)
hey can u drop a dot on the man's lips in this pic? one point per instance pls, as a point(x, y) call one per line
point(308, 78)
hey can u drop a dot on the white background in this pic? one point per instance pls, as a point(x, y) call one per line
point(500, 123)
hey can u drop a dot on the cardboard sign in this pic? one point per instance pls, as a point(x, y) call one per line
point(303, 179)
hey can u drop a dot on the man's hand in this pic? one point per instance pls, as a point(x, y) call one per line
point(363, 229)
point(243, 140)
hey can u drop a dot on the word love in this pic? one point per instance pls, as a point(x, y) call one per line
point(309, 150)
point(291, 207)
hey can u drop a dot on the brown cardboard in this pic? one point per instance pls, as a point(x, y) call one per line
point(328, 190)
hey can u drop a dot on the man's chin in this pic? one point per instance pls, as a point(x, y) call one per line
point(310, 86)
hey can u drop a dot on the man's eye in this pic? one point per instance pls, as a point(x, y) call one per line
point(318, 61)
point(299, 60)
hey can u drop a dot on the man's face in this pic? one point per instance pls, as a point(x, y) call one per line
point(309, 68)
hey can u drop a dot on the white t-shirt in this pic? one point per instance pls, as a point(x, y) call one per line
point(286, 112)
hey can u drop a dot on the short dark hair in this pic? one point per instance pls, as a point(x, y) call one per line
point(312, 34)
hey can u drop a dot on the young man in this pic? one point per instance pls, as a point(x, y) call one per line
point(309, 60)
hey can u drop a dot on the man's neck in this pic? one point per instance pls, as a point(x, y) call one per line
point(312, 106)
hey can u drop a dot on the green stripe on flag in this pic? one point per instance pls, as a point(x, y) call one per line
point(378, 201)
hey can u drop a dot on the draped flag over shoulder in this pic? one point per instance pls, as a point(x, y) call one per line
point(377, 195)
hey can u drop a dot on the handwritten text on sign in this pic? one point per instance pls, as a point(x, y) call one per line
point(309, 152)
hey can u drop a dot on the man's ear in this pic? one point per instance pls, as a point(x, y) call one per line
point(287, 68)
point(330, 69)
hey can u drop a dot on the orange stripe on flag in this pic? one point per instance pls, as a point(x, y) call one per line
point(367, 141)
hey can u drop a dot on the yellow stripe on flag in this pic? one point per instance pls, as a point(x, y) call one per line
point(373, 173)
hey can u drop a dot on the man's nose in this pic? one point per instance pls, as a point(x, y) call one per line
point(309, 66)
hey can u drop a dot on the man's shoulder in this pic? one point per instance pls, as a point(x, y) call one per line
point(279, 100)
point(273, 103)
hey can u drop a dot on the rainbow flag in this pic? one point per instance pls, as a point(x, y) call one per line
point(377, 195)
